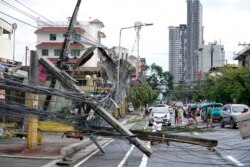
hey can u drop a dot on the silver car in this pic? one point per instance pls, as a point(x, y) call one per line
point(229, 113)
point(160, 115)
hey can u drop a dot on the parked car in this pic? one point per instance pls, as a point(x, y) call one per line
point(160, 115)
point(171, 110)
point(216, 110)
point(229, 113)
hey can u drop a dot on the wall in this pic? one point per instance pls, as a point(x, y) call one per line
point(5, 40)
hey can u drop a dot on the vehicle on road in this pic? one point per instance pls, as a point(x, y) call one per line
point(160, 115)
point(216, 111)
point(171, 110)
point(230, 112)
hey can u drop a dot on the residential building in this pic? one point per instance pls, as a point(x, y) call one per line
point(243, 56)
point(114, 52)
point(6, 43)
point(208, 57)
point(177, 52)
point(194, 37)
point(50, 40)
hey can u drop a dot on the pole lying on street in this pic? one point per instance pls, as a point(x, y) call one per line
point(155, 136)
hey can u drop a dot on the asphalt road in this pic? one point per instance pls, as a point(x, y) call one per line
point(232, 150)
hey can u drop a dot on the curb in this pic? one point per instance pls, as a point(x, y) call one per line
point(76, 147)
point(30, 157)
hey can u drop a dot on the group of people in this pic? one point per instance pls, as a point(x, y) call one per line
point(187, 113)
point(191, 115)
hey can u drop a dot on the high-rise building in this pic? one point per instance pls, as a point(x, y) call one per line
point(194, 37)
point(177, 52)
point(210, 56)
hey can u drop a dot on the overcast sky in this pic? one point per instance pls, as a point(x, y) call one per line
point(223, 20)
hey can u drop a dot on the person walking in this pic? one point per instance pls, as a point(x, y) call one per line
point(179, 116)
point(175, 115)
point(209, 116)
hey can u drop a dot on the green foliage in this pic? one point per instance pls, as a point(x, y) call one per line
point(160, 80)
point(141, 94)
point(228, 85)
point(179, 93)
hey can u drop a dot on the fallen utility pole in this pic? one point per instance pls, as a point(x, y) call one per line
point(61, 63)
point(94, 105)
point(154, 136)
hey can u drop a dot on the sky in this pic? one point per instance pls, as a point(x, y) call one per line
point(224, 21)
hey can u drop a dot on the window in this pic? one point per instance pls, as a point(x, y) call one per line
point(75, 52)
point(82, 82)
point(52, 37)
point(76, 37)
point(45, 52)
point(57, 52)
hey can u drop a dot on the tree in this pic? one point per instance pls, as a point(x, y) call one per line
point(228, 85)
point(141, 94)
point(160, 80)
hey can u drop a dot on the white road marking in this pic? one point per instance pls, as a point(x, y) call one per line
point(126, 156)
point(129, 152)
point(123, 160)
point(144, 160)
point(235, 161)
point(85, 159)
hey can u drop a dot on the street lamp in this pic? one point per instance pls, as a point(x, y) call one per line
point(14, 27)
point(136, 26)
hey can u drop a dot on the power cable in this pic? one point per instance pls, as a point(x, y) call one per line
point(35, 12)
point(22, 12)
point(19, 20)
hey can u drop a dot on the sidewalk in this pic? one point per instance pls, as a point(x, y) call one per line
point(52, 143)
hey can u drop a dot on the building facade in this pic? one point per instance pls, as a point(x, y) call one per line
point(50, 40)
point(177, 52)
point(114, 53)
point(243, 56)
point(194, 37)
point(208, 57)
point(6, 43)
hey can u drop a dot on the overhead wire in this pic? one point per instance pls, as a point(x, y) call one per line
point(36, 12)
point(37, 20)
point(22, 12)
point(18, 20)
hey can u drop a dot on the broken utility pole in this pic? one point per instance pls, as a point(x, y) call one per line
point(155, 136)
point(32, 124)
point(101, 111)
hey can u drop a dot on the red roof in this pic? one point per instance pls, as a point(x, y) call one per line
point(96, 21)
point(59, 44)
point(58, 29)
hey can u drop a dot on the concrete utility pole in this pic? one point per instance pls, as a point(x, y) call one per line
point(138, 29)
point(14, 27)
point(33, 102)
